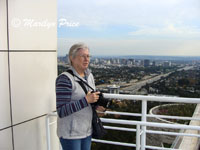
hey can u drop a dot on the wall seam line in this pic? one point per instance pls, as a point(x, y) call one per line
point(9, 82)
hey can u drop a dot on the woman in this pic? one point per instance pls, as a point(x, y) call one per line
point(73, 105)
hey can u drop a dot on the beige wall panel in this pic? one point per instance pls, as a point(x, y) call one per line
point(32, 84)
point(33, 24)
point(4, 92)
point(6, 139)
point(3, 25)
point(32, 136)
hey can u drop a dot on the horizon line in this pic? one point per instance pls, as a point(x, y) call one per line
point(137, 55)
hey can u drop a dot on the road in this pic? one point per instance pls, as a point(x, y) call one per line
point(136, 86)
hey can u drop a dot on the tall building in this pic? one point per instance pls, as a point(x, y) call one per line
point(146, 62)
point(154, 63)
point(67, 59)
point(118, 61)
point(129, 62)
point(28, 62)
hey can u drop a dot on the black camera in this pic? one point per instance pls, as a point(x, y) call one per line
point(103, 101)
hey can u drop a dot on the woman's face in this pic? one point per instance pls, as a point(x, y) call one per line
point(81, 60)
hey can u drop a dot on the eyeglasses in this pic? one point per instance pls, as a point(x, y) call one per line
point(85, 56)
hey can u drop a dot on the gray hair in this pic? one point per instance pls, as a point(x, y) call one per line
point(74, 49)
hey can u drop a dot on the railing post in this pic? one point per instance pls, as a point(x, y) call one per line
point(138, 137)
point(48, 133)
point(144, 119)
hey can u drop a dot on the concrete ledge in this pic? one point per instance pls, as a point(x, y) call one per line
point(191, 143)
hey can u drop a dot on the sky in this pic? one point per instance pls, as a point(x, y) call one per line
point(130, 27)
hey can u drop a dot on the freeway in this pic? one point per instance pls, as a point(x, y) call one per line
point(136, 86)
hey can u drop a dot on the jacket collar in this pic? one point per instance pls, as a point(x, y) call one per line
point(87, 73)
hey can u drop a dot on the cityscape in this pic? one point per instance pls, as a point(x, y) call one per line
point(131, 75)
point(143, 75)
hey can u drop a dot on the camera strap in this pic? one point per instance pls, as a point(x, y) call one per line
point(81, 82)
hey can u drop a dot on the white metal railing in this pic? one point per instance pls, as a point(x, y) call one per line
point(141, 125)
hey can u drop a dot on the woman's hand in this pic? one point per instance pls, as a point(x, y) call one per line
point(100, 108)
point(92, 97)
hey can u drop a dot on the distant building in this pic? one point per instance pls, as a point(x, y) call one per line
point(113, 89)
point(124, 61)
point(138, 63)
point(96, 61)
point(118, 61)
point(129, 62)
point(146, 62)
point(167, 64)
point(67, 59)
point(154, 63)
point(108, 62)
point(63, 59)
point(113, 61)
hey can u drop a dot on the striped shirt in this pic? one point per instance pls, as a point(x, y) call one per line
point(64, 105)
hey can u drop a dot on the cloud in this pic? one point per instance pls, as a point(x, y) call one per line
point(148, 27)
point(132, 12)
point(169, 31)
